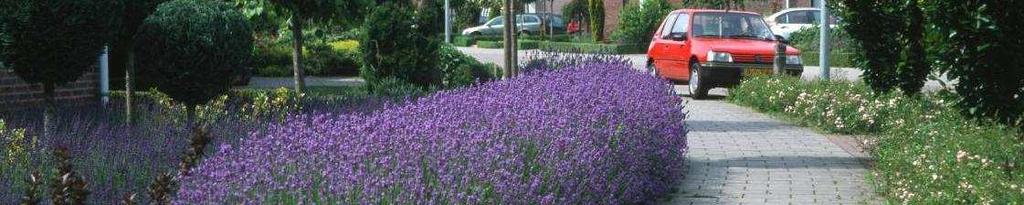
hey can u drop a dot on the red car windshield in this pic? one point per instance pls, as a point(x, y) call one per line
point(730, 25)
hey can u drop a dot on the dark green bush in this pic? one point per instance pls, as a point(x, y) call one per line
point(894, 59)
point(463, 41)
point(637, 23)
point(925, 151)
point(190, 49)
point(461, 70)
point(53, 42)
point(394, 46)
point(981, 47)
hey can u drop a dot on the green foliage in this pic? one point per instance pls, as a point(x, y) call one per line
point(835, 59)
point(637, 23)
point(597, 48)
point(894, 59)
point(53, 42)
point(881, 51)
point(522, 44)
point(981, 48)
point(462, 70)
point(926, 152)
point(577, 9)
point(596, 19)
point(192, 48)
point(339, 11)
point(15, 146)
point(809, 40)
point(397, 88)
point(394, 46)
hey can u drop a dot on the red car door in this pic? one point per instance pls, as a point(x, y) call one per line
point(659, 45)
point(677, 55)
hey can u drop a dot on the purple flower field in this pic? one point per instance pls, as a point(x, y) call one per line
point(598, 133)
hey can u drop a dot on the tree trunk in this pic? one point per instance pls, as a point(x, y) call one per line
point(507, 37)
point(190, 118)
point(48, 115)
point(515, 40)
point(300, 78)
point(129, 89)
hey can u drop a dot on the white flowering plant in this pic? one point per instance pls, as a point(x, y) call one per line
point(927, 152)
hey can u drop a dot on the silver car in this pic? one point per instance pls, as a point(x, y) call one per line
point(527, 24)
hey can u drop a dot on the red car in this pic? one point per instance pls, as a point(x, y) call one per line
point(715, 48)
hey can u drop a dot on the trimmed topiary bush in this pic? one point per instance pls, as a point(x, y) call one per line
point(190, 49)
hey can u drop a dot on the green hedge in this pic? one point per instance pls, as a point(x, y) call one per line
point(339, 58)
point(926, 152)
point(466, 41)
point(836, 59)
point(523, 44)
point(593, 47)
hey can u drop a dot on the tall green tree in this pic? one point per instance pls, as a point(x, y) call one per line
point(130, 16)
point(302, 12)
point(53, 42)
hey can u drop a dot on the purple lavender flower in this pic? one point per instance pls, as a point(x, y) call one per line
point(595, 133)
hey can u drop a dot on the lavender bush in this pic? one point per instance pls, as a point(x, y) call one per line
point(116, 159)
point(597, 133)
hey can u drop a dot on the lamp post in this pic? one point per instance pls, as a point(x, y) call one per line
point(824, 50)
point(447, 23)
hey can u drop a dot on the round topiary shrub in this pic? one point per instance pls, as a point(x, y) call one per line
point(191, 49)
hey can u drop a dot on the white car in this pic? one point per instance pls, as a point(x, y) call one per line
point(786, 22)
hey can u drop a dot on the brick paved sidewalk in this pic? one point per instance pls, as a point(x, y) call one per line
point(738, 156)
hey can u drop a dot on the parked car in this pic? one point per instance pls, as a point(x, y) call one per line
point(786, 22)
point(715, 48)
point(527, 24)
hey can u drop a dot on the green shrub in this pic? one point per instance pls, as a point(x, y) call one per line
point(523, 44)
point(809, 40)
point(489, 44)
point(461, 70)
point(894, 59)
point(338, 58)
point(980, 46)
point(463, 41)
point(637, 23)
point(592, 48)
point(394, 47)
point(926, 152)
point(836, 59)
point(397, 88)
point(191, 49)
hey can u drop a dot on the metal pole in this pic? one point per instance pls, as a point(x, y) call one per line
point(447, 23)
point(507, 33)
point(105, 76)
point(780, 58)
point(824, 51)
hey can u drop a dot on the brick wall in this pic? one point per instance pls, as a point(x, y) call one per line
point(14, 91)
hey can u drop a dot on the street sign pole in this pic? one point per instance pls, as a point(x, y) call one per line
point(823, 54)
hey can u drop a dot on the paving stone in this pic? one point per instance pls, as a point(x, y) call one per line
point(749, 158)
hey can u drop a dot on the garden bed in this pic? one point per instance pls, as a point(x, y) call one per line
point(589, 134)
point(926, 152)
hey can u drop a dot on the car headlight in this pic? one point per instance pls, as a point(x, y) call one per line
point(794, 60)
point(719, 57)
